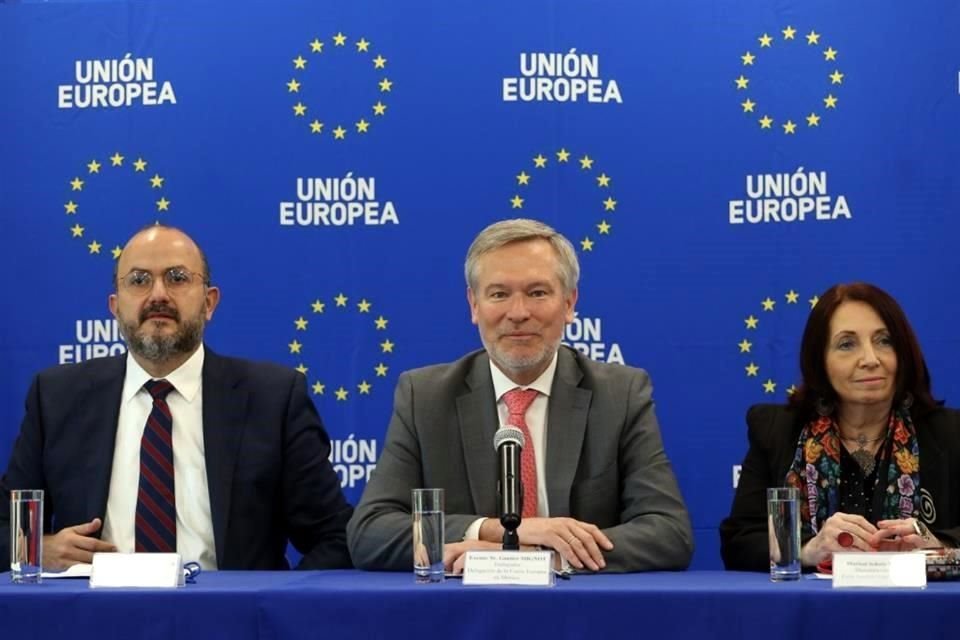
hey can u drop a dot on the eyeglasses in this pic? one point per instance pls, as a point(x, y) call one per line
point(175, 280)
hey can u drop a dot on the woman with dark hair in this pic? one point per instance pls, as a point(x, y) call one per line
point(864, 442)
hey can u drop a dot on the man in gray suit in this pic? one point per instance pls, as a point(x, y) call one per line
point(598, 486)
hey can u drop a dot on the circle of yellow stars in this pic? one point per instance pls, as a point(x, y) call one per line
point(341, 303)
point(302, 110)
point(752, 322)
point(835, 79)
point(96, 168)
point(585, 164)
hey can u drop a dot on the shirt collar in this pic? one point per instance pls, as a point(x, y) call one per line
point(502, 384)
point(185, 379)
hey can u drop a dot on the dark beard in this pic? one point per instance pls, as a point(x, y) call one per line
point(160, 349)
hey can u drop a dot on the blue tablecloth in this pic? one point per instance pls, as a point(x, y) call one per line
point(351, 604)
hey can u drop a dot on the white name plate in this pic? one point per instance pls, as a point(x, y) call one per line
point(526, 568)
point(144, 570)
point(885, 570)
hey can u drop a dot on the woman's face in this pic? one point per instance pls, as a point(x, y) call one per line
point(861, 361)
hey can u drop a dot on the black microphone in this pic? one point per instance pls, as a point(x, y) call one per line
point(508, 442)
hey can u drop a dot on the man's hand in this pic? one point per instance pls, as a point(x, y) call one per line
point(580, 543)
point(72, 545)
point(455, 553)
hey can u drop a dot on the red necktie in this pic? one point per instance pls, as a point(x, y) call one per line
point(518, 401)
point(156, 524)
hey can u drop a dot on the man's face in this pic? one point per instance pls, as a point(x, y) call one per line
point(165, 318)
point(520, 307)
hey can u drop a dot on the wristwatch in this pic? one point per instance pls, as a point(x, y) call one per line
point(921, 529)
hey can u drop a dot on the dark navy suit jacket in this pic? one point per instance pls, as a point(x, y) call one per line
point(266, 451)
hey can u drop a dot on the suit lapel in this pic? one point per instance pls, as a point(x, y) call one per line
point(566, 430)
point(477, 417)
point(224, 417)
point(102, 392)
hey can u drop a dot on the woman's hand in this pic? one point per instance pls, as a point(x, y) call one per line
point(840, 532)
point(905, 534)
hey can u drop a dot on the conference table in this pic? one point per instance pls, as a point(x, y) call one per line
point(355, 604)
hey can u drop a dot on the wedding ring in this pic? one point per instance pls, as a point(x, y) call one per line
point(845, 539)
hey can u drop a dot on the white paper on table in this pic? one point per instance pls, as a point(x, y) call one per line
point(80, 570)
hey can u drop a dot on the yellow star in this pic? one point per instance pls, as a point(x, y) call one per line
point(379, 109)
point(293, 86)
point(363, 306)
point(94, 247)
point(318, 388)
point(76, 184)
point(71, 207)
point(765, 40)
point(341, 394)
point(316, 126)
point(830, 101)
point(387, 346)
point(301, 323)
point(116, 160)
point(299, 109)
point(156, 181)
point(362, 126)
point(789, 127)
point(603, 180)
point(836, 77)
point(379, 62)
point(385, 85)
point(316, 46)
point(609, 204)
point(94, 166)
point(788, 33)
point(163, 204)
point(768, 303)
point(139, 164)
point(586, 244)
point(381, 370)
point(539, 162)
point(116, 251)
point(341, 300)
point(364, 387)
point(523, 178)
point(742, 82)
point(792, 297)
point(813, 38)
point(813, 301)
point(792, 389)
point(299, 62)
point(813, 120)
point(517, 202)
point(769, 386)
point(295, 347)
point(339, 40)
point(77, 231)
point(381, 323)
point(318, 306)
point(563, 155)
point(751, 321)
point(752, 369)
point(604, 227)
point(748, 58)
point(586, 162)
point(339, 133)
point(362, 45)
point(748, 105)
point(830, 53)
point(302, 369)
point(765, 122)
point(745, 346)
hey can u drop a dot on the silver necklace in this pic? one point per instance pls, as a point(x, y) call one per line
point(864, 459)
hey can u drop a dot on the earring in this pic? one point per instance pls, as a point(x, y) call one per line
point(824, 408)
point(907, 401)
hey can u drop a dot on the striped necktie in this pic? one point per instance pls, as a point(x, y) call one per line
point(156, 523)
point(518, 401)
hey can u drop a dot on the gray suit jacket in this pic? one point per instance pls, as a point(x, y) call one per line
point(605, 462)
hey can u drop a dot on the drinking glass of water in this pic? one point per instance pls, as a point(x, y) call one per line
point(427, 535)
point(783, 521)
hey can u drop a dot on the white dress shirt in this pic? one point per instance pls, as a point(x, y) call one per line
point(536, 419)
point(194, 523)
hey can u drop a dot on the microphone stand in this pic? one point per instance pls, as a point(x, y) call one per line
point(511, 540)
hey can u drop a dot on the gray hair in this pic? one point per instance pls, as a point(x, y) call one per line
point(505, 232)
